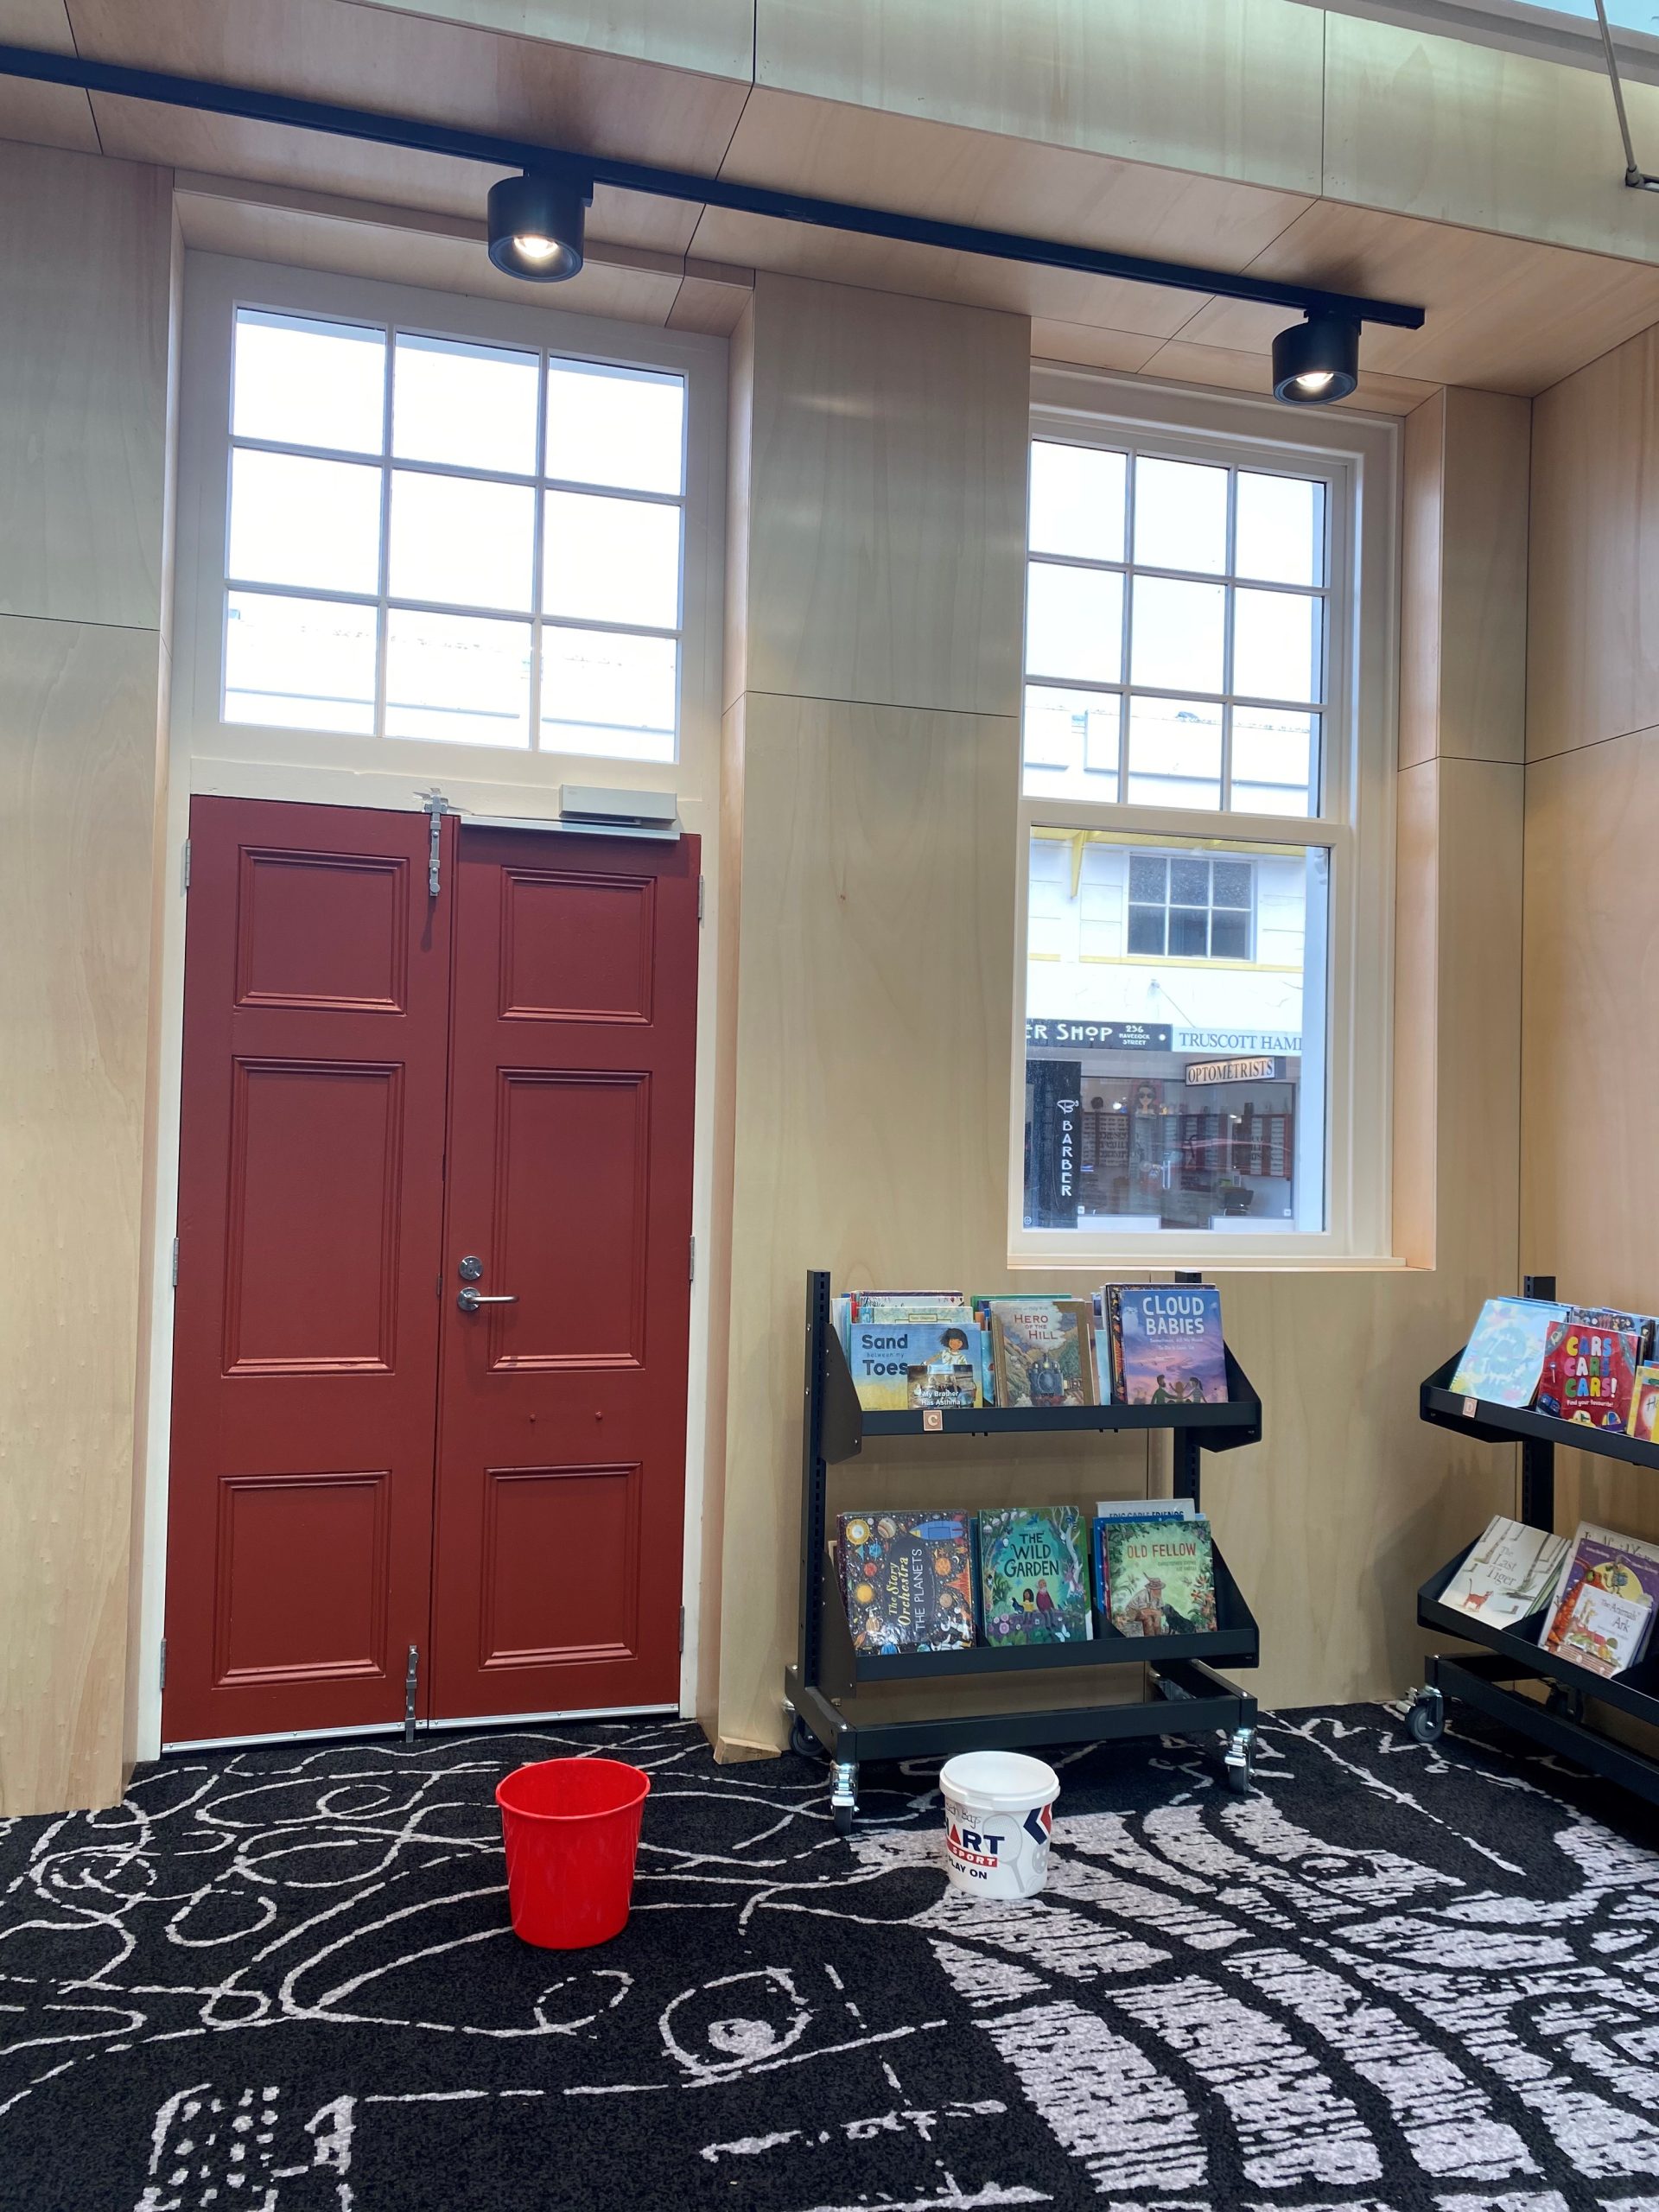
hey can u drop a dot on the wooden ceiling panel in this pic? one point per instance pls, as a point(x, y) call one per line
point(272, 153)
point(933, 272)
point(359, 56)
point(716, 37)
point(841, 152)
point(1504, 315)
point(42, 115)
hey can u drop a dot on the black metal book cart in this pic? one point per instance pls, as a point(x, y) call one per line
point(1183, 1694)
point(1515, 1655)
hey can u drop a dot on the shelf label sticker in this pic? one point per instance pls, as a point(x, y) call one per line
point(932, 1418)
point(1469, 1405)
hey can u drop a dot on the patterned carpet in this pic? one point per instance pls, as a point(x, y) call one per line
point(1394, 1981)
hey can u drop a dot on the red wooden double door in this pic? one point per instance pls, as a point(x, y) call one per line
point(430, 1326)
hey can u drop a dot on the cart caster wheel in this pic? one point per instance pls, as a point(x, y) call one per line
point(802, 1741)
point(1238, 1765)
point(1425, 1717)
point(843, 1796)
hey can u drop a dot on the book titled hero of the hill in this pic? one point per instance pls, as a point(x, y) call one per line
point(908, 1580)
point(1167, 1344)
point(1034, 1575)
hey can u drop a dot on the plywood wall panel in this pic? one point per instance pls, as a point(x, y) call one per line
point(84, 258)
point(1225, 87)
point(888, 514)
point(78, 721)
point(1593, 599)
point(1466, 133)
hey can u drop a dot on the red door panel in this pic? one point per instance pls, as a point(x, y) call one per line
point(306, 1319)
point(562, 1430)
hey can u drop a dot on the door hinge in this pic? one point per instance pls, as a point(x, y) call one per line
point(175, 1263)
point(184, 866)
point(693, 1275)
point(161, 1677)
point(700, 881)
point(410, 1681)
point(681, 1632)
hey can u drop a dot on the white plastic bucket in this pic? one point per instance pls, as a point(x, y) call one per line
point(997, 1818)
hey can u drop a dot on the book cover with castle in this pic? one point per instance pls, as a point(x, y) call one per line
point(1034, 1575)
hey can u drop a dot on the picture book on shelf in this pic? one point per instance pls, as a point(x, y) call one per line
point(895, 1366)
point(1111, 1510)
point(1602, 1609)
point(1165, 1343)
point(899, 1308)
point(1504, 1356)
point(908, 1580)
point(1042, 1354)
point(1157, 1578)
point(1590, 1363)
point(1034, 1575)
point(1510, 1572)
point(1644, 1404)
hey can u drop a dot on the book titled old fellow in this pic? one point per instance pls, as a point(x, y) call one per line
point(908, 1580)
point(1159, 1576)
point(1167, 1344)
point(1042, 1353)
point(1034, 1575)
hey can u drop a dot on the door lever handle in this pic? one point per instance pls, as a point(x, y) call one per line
point(469, 1299)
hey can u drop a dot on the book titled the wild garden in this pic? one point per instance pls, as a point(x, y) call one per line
point(1034, 1575)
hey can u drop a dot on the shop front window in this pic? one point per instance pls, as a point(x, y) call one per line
point(1174, 1043)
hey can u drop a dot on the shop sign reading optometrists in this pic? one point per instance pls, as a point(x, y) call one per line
point(1232, 1070)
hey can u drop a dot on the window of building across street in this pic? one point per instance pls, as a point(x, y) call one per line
point(1205, 883)
point(436, 540)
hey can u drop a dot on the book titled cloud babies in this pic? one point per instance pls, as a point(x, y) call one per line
point(1167, 1344)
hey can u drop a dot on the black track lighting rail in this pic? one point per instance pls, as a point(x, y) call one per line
point(413, 135)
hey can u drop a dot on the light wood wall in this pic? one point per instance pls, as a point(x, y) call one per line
point(85, 254)
point(873, 694)
point(1591, 1058)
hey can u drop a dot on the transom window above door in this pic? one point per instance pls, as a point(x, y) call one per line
point(1176, 631)
point(433, 539)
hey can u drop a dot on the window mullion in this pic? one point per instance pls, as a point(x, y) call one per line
point(1126, 632)
point(382, 614)
point(1229, 612)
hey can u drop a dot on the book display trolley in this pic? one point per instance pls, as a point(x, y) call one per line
point(1514, 1655)
point(1182, 1693)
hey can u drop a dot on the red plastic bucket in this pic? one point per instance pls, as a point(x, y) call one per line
point(571, 1829)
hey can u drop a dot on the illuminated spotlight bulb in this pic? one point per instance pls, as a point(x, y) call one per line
point(1316, 361)
point(535, 226)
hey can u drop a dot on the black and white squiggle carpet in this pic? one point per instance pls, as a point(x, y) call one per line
point(1394, 1981)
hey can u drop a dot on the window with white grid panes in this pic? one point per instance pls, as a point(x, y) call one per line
point(433, 539)
point(1176, 632)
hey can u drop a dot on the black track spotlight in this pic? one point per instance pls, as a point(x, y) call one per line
point(536, 224)
point(1316, 361)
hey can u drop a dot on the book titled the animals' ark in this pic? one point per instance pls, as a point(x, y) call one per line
point(1167, 1344)
point(1034, 1575)
point(908, 1580)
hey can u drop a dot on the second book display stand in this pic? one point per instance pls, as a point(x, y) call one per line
point(1182, 1693)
